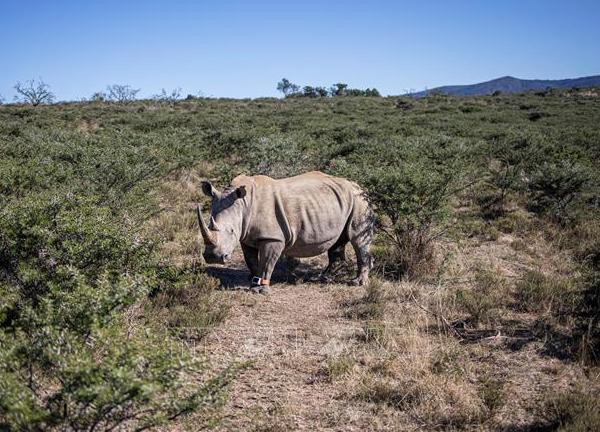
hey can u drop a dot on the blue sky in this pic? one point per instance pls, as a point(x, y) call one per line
point(241, 48)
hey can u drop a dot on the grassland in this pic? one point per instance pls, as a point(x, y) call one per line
point(483, 312)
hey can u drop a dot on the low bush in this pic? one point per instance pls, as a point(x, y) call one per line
point(553, 186)
point(70, 267)
point(411, 193)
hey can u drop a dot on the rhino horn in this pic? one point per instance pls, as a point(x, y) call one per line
point(206, 234)
point(213, 224)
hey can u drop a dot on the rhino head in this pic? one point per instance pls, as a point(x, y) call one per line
point(225, 226)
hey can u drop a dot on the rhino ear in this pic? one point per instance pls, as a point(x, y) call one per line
point(208, 189)
point(241, 192)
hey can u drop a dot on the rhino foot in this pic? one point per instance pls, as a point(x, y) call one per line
point(262, 289)
point(358, 281)
point(322, 278)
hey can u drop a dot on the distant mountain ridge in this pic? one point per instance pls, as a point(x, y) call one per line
point(509, 84)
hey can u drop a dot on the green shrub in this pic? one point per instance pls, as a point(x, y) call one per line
point(506, 159)
point(70, 268)
point(554, 185)
point(278, 156)
point(410, 191)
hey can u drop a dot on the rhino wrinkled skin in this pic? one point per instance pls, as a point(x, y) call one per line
point(301, 216)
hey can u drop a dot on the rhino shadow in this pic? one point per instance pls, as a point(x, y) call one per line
point(287, 270)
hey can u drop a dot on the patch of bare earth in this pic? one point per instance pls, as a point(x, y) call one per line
point(288, 337)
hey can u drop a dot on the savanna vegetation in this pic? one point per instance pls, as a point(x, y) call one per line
point(487, 258)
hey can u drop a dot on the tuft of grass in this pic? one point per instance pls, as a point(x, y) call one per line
point(447, 359)
point(385, 391)
point(483, 301)
point(432, 399)
point(537, 292)
point(372, 305)
point(339, 366)
point(491, 391)
point(377, 332)
point(479, 228)
point(578, 411)
point(519, 245)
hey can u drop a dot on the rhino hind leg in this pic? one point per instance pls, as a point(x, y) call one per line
point(337, 256)
point(361, 235)
point(364, 263)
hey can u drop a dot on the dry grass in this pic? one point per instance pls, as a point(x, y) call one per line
point(339, 366)
point(457, 354)
point(192, 307)
point(482, 302)
point(576, 411)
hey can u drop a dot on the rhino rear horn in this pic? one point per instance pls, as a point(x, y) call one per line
point(207, 235)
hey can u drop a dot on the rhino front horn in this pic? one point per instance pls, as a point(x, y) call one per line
point(207, 235)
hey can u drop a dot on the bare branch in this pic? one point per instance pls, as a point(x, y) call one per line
point(121, 93)
point(34, 92)
point(165, 97)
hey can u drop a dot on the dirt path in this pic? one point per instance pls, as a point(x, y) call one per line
point(416, 377)
point(288, 336)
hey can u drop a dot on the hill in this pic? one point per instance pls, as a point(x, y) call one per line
point(509, 84)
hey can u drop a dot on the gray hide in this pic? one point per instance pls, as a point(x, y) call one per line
point(301, 216)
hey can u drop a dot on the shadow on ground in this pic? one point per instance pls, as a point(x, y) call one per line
point(287, 270)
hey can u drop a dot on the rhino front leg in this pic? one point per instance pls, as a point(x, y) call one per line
point(251, 258)
point(268, 255)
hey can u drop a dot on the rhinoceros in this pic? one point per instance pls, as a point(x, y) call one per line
point(301, 216)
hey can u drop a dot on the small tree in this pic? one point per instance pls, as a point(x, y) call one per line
point(309, 91)
point(121, 93)
point(354, 92)
point(34, 92)
point(170, 97)
point(98, 97)
point(410, 191)
point(322, 91)
point(339, 89)
point(288, 88)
